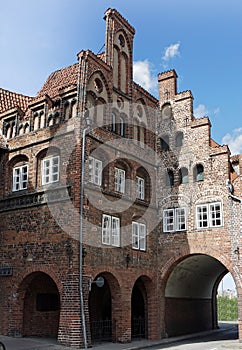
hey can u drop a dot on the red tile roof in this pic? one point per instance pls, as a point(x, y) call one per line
point(9, 100)
point(60, 79)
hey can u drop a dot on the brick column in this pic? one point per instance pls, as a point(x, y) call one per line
point(121, 315)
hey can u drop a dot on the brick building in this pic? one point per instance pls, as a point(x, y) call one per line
point(118, 230)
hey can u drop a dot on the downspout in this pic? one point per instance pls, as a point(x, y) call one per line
point(230, 189)
point(81, 88)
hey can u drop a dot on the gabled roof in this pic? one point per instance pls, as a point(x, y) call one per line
point(9, 100)
point(60, 79)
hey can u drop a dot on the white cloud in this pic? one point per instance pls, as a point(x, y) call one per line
point(200, 111)
point(171, 51)
point(143, 75)
point(234, 141)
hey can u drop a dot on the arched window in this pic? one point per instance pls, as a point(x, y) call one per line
point(179, 139)
point(164, 143)
point(166, 112)
point(169, 178)
point(48, 166)
point(19, 167)
point(122, 126)
point(114, 126)
point(183, 176)
point(198, 172)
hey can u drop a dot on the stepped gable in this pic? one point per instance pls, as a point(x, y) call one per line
point(60, 79)
point(9, 100)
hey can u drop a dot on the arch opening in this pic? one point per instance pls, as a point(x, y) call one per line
point(139, 310)
point(100, 312)
point(191, 295)
point(41, 306)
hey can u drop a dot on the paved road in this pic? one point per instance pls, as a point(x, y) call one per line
point(226, 340)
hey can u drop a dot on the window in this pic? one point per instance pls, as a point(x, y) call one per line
point(179, 139)
point(183, 174)
point(174, 219)
point(198, 173)
point(20, 178)
point(111, 230)
point(138, 236)
point(95, 171)
point(166, 111)
point(47, 302)
point(140, 187)
point(119, 180)
point(122, 126)
point(169, 178)
point(114, 127)
point(209, 215)
point(164, 143)
point(50, 169)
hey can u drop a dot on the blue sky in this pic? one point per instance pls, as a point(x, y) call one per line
point(201, 40)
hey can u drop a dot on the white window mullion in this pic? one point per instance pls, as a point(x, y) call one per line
point(119, 180)
point(95, 171)
point(106, 229)
point(140, 188)
point(20, 178)
point(180, 217)
point(135, 235)
point(115, 239)
point(215, 214)
point(50, 169)
point(168, 220)
point(142, 236)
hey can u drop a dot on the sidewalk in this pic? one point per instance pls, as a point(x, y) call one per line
point(51, 344)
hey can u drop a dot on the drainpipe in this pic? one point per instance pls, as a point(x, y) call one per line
point(85, 130)
point(230, 189)
point(81, 114)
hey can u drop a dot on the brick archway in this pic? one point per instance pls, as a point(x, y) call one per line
point(190, 294)
point(101, 304)
point(40, 300)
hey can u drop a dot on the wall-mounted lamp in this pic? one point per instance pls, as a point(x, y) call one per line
point(99, 282)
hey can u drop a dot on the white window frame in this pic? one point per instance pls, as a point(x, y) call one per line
point(140, 187)
point(138, 236)
point(20, 177)
point(119, 180)
point(51, 171)
point(209, 215)
point(95, 171)
point(174, 219)
point(111, 230)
